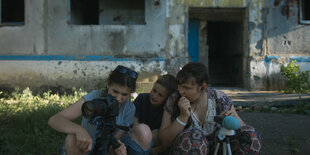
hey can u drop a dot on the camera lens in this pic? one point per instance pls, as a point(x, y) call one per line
point(88, 110)
point(105, 106)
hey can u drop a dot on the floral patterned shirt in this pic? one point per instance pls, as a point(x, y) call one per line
point(218, 101)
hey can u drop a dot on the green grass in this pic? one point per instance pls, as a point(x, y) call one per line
point(23, 121)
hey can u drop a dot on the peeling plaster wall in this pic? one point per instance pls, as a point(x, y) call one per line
point(276, 32)
point(285, 36)
point(48, 32)
point(257, 68)
point(26, 39)
point(212, 3)
point(177, 33)
point(68, 74)
point(122, 40)
point(273, 32)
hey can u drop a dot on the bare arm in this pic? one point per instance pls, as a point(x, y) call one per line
point(62, 122)
point(169, 130)
point(121, 150)
point(120, 133)
point(234, 113)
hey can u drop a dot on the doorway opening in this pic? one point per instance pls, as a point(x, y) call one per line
point(225, 40)
point(222, 44)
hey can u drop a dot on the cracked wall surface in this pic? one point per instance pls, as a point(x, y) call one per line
point(274, 37)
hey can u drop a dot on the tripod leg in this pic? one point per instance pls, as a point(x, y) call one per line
point(228, 146)
point(216, 148)
point(228, 149)
point(224, 148)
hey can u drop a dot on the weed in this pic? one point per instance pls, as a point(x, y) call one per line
point(297, 80)
point(293, 147)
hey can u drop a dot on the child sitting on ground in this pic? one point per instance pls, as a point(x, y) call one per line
point(150, 106)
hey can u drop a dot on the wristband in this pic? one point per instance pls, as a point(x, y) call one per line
point(180, 122)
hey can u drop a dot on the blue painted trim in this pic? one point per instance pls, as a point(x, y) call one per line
point(297, 58)
point(71, 58)
point(270, 58)
point(300, 58)
point(193, 40)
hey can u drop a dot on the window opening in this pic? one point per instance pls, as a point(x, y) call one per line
point(107, 12)
point(122, 12)
point(84, 12)
point(12, 12)
point(304, 11)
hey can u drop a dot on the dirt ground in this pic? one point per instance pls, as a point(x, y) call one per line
point(281, 133)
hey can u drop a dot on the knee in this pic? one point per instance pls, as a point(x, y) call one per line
point(248, 133)
point(142, 135)
point(70, 144)
point(249, 130)
point(192, 140)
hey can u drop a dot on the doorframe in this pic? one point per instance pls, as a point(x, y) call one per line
point(239, 14)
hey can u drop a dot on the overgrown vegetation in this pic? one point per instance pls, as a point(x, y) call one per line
point(297, 80)
point(302, 107)
point(293, 146)
point(23, 119)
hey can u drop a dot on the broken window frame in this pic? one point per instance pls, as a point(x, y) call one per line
point(84, 23)
point(12, 23)
point(69, 18)
point(301, 14)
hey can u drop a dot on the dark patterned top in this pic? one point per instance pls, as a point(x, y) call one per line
point(218, 101)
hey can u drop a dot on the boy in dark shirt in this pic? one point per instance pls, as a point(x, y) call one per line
point(149, 106)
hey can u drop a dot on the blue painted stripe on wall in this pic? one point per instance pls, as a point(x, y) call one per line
point(270, 58)
point(300, 58)
point(71, 58)
point(297, 58)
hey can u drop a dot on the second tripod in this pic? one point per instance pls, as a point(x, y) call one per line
point(223, 136)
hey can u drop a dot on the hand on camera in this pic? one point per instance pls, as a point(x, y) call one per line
point(225, 113)
point(121, 150)
point(83, 140)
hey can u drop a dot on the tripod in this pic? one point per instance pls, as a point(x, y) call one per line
point(223, 136)
point(105, 139)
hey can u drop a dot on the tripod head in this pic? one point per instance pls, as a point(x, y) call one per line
point(229, 125)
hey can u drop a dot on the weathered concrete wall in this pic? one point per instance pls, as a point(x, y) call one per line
point(68, 74)
point(177, 33)
point(153, 48)
point(212, 3)
point(273, 30)
point(117, 40)
point(27, 39)
point(276, 33)
point(48, 32)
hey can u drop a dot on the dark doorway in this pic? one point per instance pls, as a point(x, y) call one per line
point(225, 41)
point(222, 44)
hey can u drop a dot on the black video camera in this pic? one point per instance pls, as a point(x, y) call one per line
point(105, 106)
point(102, 112)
